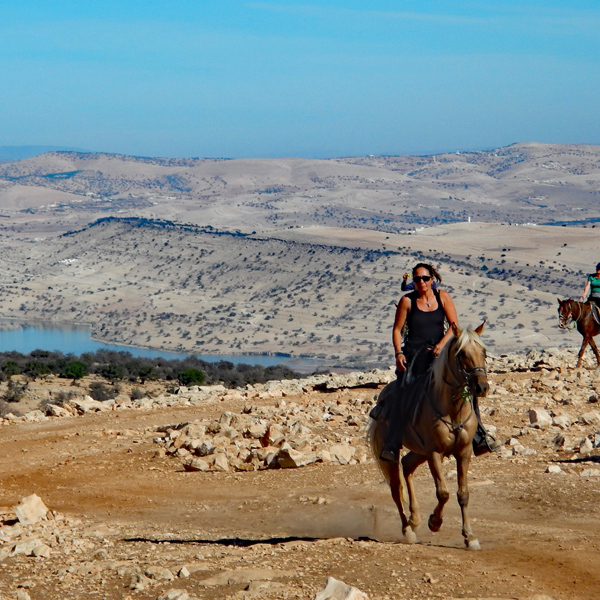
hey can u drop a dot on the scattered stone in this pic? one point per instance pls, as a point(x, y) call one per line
point(30, 510)
point(159, 573)
point(195, 464)
point(553, 469)
point(539, 418)
point(338, 590)
point(586, 446)
point(590, 473)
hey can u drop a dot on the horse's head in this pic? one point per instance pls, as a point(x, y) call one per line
point(565, 313)
point(467, 356)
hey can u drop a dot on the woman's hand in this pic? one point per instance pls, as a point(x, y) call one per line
point(400, 362)
point(437, 349)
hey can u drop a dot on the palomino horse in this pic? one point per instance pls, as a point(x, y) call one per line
point(442, 424)
point(580, 313)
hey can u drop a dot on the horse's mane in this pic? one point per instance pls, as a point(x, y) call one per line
point(467, 336)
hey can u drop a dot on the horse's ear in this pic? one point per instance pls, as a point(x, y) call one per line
point(559, 300)
point(479, 330)
point(455, 330)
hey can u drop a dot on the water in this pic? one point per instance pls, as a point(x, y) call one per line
point(76, 340)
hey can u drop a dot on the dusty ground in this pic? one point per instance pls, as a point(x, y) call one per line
point(123, 509)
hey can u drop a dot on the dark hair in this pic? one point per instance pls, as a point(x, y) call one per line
point(429, 268)
point(597, 266)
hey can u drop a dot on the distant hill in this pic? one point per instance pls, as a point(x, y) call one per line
point(522, 183)
point(10, 153)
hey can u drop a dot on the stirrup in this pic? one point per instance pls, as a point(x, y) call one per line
point(486, 444)
point(388, 455)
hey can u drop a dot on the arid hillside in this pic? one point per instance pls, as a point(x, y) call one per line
point(521, 183)
point(325, 293)
point(300, 257)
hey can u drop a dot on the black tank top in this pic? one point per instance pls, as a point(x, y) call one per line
point(425, 327)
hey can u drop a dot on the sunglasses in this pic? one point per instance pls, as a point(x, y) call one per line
point(419, 278)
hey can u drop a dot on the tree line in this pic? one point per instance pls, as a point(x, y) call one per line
point(117, 366)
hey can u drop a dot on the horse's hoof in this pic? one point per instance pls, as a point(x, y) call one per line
point(410, 537)
point(434, 524)
point(473, 544)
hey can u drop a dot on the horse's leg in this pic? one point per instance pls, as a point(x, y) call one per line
point(595, 349)
point(410, 462)
point(462, 470)
point(583, 347)
point(397, 489)
point(441, 491)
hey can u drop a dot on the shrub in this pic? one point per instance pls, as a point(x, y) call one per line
point(74, 370)
point(191, 377)
point(137, 394)
point(101, 392)
point(15, 391)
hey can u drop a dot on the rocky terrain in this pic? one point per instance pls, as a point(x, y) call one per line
point(267, 491)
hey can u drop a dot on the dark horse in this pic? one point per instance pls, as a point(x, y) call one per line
point(580, 313)
point(442, 424)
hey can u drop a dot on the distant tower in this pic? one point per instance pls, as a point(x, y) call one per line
point(469, 219)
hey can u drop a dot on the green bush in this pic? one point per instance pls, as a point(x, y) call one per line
point(74, 370)
point(191, 377)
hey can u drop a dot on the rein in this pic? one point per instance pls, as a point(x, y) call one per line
point(461, 394)
point(571, 321)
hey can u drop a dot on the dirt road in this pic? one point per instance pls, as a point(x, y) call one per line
point(126, 517)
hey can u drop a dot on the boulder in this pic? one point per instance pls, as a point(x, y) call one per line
point(341, 453)
point(30, 510)
point(538, 417)
point(338, 590)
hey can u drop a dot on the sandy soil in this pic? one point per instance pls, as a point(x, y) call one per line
point(130, 508)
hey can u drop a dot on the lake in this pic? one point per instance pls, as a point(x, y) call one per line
point(25, 338)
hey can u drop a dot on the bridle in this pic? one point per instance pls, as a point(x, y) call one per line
point(569, 321)
point(462, 392)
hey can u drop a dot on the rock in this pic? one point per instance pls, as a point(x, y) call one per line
point(563, 421)
point(221, 463)
point(586, 446)
point(183, 572)
point(559, 441)
point(341, 453)
point(23, 595)
point(34, 416)
point(30, 510)
point(87, 404)
point(41, 551)
point(159, 573)
point(590, 473)
point(53, 410)
point(195, 464)
point(26, 547)
point(540, 418)
point(288, 458)
point(590, 418)
point(337, 590)
point(554, 469)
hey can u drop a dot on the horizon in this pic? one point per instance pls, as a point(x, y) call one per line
point(276, 79)
point(30, 151)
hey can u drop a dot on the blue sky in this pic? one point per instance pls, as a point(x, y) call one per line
point(298, 78)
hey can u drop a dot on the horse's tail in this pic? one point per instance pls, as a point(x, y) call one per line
point(376, 435)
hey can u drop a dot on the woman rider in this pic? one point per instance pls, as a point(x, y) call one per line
point(424, 312)
point(593, 282)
